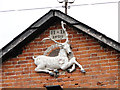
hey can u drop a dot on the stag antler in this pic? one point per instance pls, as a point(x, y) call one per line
point(49, 38)
point(62, 24)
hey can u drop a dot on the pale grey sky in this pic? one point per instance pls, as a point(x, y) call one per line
point(102, 17)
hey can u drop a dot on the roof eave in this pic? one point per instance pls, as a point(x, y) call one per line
point(92, 32)
point(25, 34)
point(56, 13)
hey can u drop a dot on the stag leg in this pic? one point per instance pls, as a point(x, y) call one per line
point(80, 66)
point(56, 73)
point(72, 62)
point(67, 65)
point(41, 69)
point(72, 69)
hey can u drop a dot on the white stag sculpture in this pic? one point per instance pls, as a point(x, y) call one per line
point(48, 64)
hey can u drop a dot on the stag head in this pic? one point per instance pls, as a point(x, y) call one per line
point(65, 45)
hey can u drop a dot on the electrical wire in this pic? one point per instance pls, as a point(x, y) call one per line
point(57, 7)
point(31, 9)
point(94, 4)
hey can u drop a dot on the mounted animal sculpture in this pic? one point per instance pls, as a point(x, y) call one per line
point(49, 64)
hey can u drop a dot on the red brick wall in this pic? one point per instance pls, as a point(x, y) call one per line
point(101, 64)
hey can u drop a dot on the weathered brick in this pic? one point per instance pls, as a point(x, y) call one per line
point(101, 64)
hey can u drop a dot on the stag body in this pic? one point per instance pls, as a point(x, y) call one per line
point(46, 63)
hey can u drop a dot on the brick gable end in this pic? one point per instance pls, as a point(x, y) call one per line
point(101, 63)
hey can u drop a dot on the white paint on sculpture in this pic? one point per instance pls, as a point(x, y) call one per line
point(50, 48)
point(47, 64)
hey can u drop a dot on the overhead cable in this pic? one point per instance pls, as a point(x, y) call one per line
point(31, 9)
point(57, 7)
point(95, 3)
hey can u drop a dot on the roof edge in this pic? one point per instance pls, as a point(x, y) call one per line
point(92, 32)
point(18, 39)
point(66, 18)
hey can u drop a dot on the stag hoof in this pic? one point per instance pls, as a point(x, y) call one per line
point(52, 74)
point(83, 71)
point(56, 71)
point(68, 70)
point(56, 76)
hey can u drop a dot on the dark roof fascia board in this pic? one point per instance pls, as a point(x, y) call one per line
point(92, 32)
point(26, 33)
point(43, 19)
point(16, 42)
point(56, 13)
point(101, 37)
